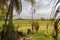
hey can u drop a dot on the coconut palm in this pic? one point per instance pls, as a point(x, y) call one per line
point(56, 21)
point(13, 4)
point(57, 11)
point(33, 10)
point(18, 5)
point(33, 4)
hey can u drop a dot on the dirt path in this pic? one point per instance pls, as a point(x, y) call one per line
point(25, 38)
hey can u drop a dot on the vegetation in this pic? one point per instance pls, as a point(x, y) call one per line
point(13, 3)
point(11, 29)
point(24, 25)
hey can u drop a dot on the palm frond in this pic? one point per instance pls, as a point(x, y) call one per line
point(18, 5)
point(58, 9)
point(32, 1)
point(57, 12)
point(3, 3)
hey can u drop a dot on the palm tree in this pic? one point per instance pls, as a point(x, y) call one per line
point(33, 10)
point(56, 22)
point(3, 7)
point(18, 6)
point(56, 13)
point(33, 5)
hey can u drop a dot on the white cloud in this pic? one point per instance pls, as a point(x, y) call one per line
point(43, 9)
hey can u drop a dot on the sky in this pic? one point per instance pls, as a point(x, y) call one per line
point(43, 8)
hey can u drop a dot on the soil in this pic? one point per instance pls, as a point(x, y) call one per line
point(25, 38)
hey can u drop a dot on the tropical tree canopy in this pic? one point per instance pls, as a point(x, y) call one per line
point(3, 8)
point(18, 5)
point(56, 10)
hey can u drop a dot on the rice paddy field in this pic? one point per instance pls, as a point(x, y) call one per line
point(43, 33)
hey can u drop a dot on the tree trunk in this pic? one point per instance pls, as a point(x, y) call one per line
point(33, 11)
point(10, 30)
point(3, 33)
point(6, 19)
point(56, 29)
